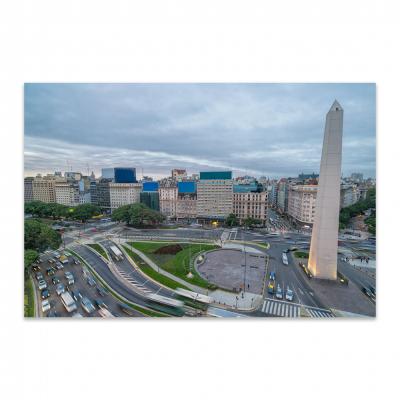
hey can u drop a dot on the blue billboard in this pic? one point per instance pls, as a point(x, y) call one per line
point(125, 175)
point(150, 186)
point(187, 187)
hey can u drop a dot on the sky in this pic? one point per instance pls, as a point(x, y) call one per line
point(275, 130)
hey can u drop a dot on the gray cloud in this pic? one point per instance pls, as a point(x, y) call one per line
point(269, 129)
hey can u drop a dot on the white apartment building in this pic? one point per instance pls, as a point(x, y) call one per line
point(214, 195)
point(168, 200)
point(43, 189)
point(348, 195)
point(250, 205)
point(66, 193)
point(122, 194)
point(301, 203)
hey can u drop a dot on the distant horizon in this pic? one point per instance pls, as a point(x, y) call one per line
point(270, 130)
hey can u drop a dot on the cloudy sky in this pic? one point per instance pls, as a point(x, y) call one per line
point(260, 129)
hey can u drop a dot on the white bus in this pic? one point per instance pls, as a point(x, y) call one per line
point(68, 302)
point(285, 259)
point(116, 252)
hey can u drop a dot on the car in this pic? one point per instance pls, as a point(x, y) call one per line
point(39, 276)
point(272, 276)
point(87, 305)
point(46, 305)
point(90, 281)
point(76, 295)
point(42, 284)
point(101, 292)
point(289, 294)
point(55, 280)
point(125, 309)
point(57, 254)
point(372, 289)
point(76, 261)
point(45, 294)
point(70, 278)
point(51, 261)
point(59, 265)
point(99, 303)
point(60, 289)
point(279, 293)
point(50, 271)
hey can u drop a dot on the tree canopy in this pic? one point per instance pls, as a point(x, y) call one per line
point(137, 215)
point(83, 212)
point(39, 236)
point(231, 220)
point(251, 221)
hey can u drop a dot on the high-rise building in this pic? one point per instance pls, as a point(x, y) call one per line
point(28, 189)
point(100, 193)
point(282, 196)
point(119, 174)
point(43, 189)
point(214, 195)
point(150, 196)
point(250, 205)
point(322, 261)
point(122, 194)
point(67, 193)
point(168, 199)
point(186, 205)
point(301, 203)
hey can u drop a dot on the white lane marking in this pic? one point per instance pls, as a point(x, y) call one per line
point(264, 305)
point(288, 310)
point(268, 307)
point(279, 309)
point(273, 308)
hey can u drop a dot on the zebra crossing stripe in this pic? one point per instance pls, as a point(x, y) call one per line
point(263, 307)
point(278, 310)
point(268, 307)
point(288, 308)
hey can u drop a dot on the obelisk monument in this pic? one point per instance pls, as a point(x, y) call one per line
point(322, 261)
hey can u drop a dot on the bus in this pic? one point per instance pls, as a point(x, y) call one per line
point(285, 259)
point(68, 302)
point(116, 253)
point(166, 305)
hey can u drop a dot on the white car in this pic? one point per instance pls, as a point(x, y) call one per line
point(42, 284)
point(289, 294)
point(46, 305)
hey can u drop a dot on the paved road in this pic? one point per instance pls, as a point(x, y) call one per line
point(80, 284)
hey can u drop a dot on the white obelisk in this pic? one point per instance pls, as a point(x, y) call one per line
point(322, 261)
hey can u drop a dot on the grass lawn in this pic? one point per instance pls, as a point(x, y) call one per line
point(300, 254)
point(164, 280)
point(142, 310)
point(177, 264)
point(99, 249)
point(29, 302)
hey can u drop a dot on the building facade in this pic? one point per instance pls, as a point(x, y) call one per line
point(186, 205)
point(122, 194)
point(100, 193)
point(282, 196)
point(43, 189)
point(67, 193)
point(301, 203)
point(168, 200)
point(28, 189)
point(250, 205)
point(179, 174)
point(214, 195)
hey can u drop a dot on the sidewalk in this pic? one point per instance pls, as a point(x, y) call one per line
point(221, 297)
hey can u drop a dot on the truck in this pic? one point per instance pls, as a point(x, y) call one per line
point(68, 302)
point(116, 253)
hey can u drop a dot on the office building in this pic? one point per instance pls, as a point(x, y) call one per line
point(214, 195)
point(122, 194)
point(186, 205)
point(250, 205)
point(301, 203)
point(168, 195)
point(28, 189)
point(43, 189)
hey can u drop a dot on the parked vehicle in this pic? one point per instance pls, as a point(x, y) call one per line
point(42, 284)
point(46, 305)
point(271, 287)
point(100, 303)
point(50, 271)
point(91, 281)
point(52, 313)
point(55, 280)
point(60, 289)
point(39, 276)
point(76, 295)
point(272, 276)
point(87, 305)
point(45, 294)
point(101, 291)
point(68, 302)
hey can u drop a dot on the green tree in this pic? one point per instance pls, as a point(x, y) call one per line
point(30, 256)
point(36, 208)
point(39, 236)
point(249, 222)
point(137, 215)
point(231, 220)
point(83, 212)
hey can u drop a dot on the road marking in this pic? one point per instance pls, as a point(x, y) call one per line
point(263, 307)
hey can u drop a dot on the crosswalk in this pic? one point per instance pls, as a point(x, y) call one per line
point(132, 281)
point(291, 310)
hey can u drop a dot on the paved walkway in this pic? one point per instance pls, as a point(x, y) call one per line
point(221, 297)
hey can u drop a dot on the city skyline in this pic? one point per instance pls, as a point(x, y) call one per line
point(273, 130)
